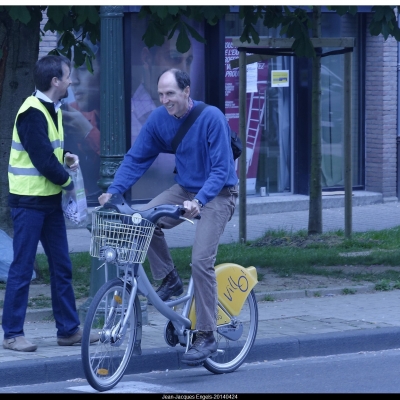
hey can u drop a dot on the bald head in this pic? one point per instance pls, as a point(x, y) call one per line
point(174, 97)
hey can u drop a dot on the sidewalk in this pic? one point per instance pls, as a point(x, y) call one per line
point(298, 327)
point(292, 326)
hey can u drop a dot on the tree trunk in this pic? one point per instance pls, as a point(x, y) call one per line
point(315, 209)
point(20, 46)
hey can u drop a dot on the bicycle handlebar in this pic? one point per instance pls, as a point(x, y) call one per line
point(119, 204)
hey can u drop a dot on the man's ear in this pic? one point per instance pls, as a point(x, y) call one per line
point(187, 91)
point(55, 81)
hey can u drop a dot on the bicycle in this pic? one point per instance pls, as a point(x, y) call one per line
point(121, 235)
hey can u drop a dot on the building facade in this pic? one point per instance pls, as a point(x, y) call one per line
point(278, 122)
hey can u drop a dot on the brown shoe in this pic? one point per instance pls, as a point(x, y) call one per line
point(203, 347)
point(76, 338)
point(19, 343)
point(170, 286)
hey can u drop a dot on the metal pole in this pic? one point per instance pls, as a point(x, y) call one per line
point(112, 100)
point(112, 123)
point(242, 134)
point(347, 146)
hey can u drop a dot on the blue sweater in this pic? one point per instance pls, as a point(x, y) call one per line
point(204, 160)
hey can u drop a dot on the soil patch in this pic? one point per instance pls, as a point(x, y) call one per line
point(271, 281)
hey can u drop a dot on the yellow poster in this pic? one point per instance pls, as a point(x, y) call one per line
point(280, 78)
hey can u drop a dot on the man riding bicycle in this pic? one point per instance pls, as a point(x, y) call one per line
point(206, 183)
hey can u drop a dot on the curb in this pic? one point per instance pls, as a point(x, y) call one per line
point(161, 359)
point(315, 292)
point(47, 313)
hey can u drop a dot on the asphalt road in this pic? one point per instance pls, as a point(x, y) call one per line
point(366, 372)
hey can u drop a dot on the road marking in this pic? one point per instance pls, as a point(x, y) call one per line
point(129, 387)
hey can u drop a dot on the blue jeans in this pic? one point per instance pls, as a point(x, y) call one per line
point(48, 226)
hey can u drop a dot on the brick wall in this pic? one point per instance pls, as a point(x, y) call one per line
point(48, 41)
point(381, 115)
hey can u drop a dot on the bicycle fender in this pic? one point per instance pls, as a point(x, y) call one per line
point(234, 285)
point(137, 348)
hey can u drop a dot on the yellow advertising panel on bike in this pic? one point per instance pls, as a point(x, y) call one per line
point(234, 285)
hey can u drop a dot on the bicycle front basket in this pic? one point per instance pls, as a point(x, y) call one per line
point(129, 236)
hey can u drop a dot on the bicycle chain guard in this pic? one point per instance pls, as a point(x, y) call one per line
point(169, 334)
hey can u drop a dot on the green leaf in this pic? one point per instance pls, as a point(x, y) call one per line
point(385, 31)
point(353, 10)
point(303, 47)
point(57, 13)
point(81, 14)
point(396, 34)
point(79, 56)
point(243, 38)
point(53, 52)
point(273, 16)
point(375, 28)
point(194, 33)
point(19, 13)
point(283, 30)
point(174, 10)
point(68, 40)
point(342, 10)
point(93, 14)
point(389, 13)
point(254, 35)
point(144, 12)
point(212, 14)
point(378, 13)
point(183, 42)
point(160, 11)
point(152, 36)
point(173, 30)
point(89, 64)
point(81, 18)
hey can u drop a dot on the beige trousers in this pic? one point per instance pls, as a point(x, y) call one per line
point(214, 217)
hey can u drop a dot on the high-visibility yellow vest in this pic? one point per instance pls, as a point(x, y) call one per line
point(23, 177)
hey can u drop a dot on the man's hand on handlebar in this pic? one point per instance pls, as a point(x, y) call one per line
point(104, 198)
point(192, 209)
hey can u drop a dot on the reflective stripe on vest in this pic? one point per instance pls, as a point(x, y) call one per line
point(24, 178)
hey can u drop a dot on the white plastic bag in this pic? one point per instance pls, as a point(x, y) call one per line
point(74, 202)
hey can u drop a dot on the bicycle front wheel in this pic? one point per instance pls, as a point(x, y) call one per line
point(232, 353)
point(105, 361)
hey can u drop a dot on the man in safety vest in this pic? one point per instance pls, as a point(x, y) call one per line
point(36, 178)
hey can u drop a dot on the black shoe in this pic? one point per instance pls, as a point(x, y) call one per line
point(171, 286)
point(203, 347)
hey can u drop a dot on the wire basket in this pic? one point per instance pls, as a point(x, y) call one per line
point(128, 235)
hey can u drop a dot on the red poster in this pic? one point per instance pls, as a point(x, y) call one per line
point(254, 112)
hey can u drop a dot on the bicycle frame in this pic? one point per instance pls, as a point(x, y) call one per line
point(141, 285)
point(181, 321)
point(230, 298)
point(122, 239)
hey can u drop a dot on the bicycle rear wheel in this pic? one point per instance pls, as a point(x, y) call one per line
point(105, 361)
point(232, 353)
